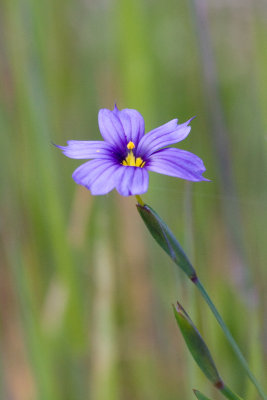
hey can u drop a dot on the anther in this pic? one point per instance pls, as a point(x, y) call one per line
point(130, 145)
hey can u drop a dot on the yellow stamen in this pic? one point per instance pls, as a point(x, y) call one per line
point(130, 145)
point(138, 162)
point(130, 160)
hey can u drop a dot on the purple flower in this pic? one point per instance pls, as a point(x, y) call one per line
point(123, 159)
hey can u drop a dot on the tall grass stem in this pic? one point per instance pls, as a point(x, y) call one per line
point(229, 394)
point(230, 339)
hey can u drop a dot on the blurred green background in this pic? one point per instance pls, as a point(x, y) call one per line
point(85, 294)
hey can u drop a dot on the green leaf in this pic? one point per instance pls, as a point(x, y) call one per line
point(166, 239)
point(200, 395)
point(196, 345)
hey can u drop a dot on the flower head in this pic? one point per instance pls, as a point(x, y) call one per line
point(123, 159)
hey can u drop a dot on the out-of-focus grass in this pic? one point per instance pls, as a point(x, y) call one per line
point(85, 294)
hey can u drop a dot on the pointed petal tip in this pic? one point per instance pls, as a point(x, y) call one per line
point(206, 179)
point(201, 179)
point(191, 119)
point(115, 107)
point(58, 146)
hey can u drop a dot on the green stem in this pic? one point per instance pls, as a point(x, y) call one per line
point(139, 200)
point(231, 341)
point(227, 392)
point(166, 239)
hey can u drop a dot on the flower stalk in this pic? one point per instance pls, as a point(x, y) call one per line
point(139, 200)
point(166, 239)
point(229, 394)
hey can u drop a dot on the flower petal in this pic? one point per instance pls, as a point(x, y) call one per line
point(86, 149)
point(178, 163)
point(111, 128)
point(163, 136)
point(132, 180)
point(99, 176)
point(133, 124)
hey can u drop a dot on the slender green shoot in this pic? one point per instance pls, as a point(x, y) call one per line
point(139, 200)
point(166, 239)
point(229, 394)
point(230, 338)
point(200, 395)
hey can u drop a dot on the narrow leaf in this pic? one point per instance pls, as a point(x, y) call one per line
point(200, 395)
point(196, 345)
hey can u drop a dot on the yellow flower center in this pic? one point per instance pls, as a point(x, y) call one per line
point(130, 160)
